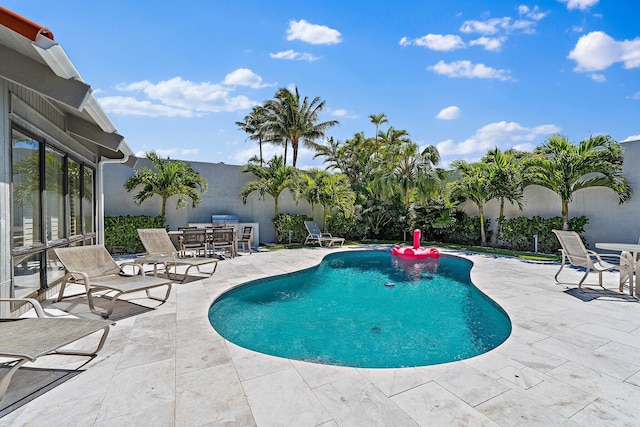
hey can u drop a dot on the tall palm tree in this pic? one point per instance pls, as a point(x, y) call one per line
point(255, 124)
point(272, 179)
point(566, 168)
point(506, 182)
point(167, 178)
point(295, 120)
point(473, 184)
point(377, 120)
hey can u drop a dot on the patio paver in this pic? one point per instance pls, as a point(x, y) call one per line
point(567, 362)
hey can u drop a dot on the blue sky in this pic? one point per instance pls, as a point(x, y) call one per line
point(464, 76)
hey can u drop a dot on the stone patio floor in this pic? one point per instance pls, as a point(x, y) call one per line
point(570, 360)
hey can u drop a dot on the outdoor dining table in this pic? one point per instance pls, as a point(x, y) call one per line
point(210, 231)
point(628, 252)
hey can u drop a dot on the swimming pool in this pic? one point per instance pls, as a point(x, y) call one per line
point(365, 309)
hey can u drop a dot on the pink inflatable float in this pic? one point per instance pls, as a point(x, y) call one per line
point(416, 252)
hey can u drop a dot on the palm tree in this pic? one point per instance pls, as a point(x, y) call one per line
point(412, 173)
point(566, 168)
point(473, 184)
point(335, 192)
point(294, 121)
point(506, 182)
point(273, 179)
point(167, 178)
point(377, 120)
point(255, 125)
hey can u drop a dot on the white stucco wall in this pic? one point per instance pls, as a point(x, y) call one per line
point(608, 220)
point(225, 182)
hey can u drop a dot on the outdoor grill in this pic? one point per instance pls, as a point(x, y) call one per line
point(224, 221)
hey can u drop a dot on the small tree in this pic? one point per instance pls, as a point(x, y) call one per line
point(273, 179)
point(566, 168)
point(166, 179)
point(474, 184)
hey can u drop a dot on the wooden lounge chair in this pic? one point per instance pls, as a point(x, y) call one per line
point(317, 236)
point(25, 339)
point(161, 252)
point(574, 251)
point(93, 267)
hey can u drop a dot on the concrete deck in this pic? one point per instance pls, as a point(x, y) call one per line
point(567, 362)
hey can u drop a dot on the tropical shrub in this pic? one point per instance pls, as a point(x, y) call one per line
point(290, 222)
point(517, 233)
point(352, 228)
point(121, 235)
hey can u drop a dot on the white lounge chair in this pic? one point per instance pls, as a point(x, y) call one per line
point(93, 267)
point(25, 339)
point(317, 236)
point(574, 251)
point(160, 251)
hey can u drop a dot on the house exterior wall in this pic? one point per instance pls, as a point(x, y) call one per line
point(222, 198)
point(5, 197)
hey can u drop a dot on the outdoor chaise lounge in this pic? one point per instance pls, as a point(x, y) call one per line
point(317, 236)
point(160, 251)
point(25, 339)
point(574, 251)
point(93, 267)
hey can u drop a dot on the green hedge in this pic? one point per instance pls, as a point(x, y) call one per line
point(290, 222)
point(121, 235)
point(518, 232)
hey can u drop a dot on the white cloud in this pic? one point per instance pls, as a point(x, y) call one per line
point(534, 13)
point(171, 152)
point(244, 77)
point(631, 138)
point(437, 42)
point(179, 97)
point(491, 44)
point(502, 134)
point(506, 24)
point(600, 78)
point(294, 56)
point(490, 26)
point(579, 4)
point(341, 112)
point(128, 106)
point(597, 51)
point(312, 33)
point(635, 96)
point(449, 113)
point(469, 70)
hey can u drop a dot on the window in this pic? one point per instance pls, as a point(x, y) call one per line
point(53, 203)
point(88, 206)
point(54, 194)
point(26, 190)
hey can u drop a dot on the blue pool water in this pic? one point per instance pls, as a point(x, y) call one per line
point(365, 309)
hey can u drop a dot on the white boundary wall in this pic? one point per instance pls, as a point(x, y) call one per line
point(221, 198)
point(608, 220)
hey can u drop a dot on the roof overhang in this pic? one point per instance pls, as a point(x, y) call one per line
point(32, 59)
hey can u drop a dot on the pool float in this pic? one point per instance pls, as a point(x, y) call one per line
point(417, 251)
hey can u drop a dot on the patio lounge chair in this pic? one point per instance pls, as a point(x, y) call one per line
point(317, 236)
point(26, 339)
point(246, 239)
point(160, 251)
point(93, 267)
point(574, 251)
